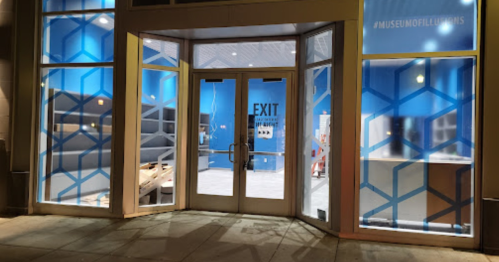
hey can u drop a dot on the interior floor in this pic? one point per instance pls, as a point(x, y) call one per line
point(197, 236)
point(260, 184)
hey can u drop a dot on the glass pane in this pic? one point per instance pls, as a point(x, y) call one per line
point(73, 5)
point(266, 138)
point(163, 53)
point(245, 55)
point(216, 134)
point(408, 26)
point(417, 145)
point(75, 136)
point(317, 142)
point(158, 131)
point(87, 38)
point(320, 47)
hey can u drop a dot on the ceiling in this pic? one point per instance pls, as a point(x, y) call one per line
point(241, 31)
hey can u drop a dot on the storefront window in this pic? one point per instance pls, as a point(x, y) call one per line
point(417, 145)
point(159, 122)
point(317, 137)
point(76, 103)
point(75, 136)
point(245, 55)
point(85, 38)
point(157, 173)
point(317, 124)
point(409, 26)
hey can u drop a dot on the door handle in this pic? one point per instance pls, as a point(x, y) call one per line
point(230, 152)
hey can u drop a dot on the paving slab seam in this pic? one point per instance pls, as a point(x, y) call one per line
point(282, 239)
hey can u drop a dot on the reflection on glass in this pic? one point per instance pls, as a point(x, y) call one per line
point(320, 47)
point(408, 26)
point(417, 144)
point(245, 54)
point(75, 136)
point(216, 134)
point(266, 138)
point(78, 38)
point(157, 172)
point(317, 142)
point(162, 53)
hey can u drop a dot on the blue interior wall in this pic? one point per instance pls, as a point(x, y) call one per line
point(91, 81)
point(260, 93)
point(76, 38)
point(222, 96)
point(152, 83)
point(396, 82)
point(268, 93)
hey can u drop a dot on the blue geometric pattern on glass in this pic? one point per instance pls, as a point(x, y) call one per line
point(86, 38)
point(158, 134)
point(162, 53)
point(409, 26)
point(406, 104)
point(75, 135)
point(73, 5)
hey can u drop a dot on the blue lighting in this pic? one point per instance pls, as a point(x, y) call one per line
point(445, 28)
point(430, 46)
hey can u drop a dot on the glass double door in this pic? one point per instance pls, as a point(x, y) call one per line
point(239, 143)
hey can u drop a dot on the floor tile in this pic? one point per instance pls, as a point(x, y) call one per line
point(290, 252)
point(312, 240)
point(168, 241)
point(18, 254)
point(163, 216)
point(206, 213)
point(493, 258)
point(306, 247)
point(48, 231)
point(238, 244)
point(301, 227)
point(139, 224)
point(264, 222)
point(125, 259)
point(65, 256)
point(203, 218)
point(349, 250)
point(107, 240)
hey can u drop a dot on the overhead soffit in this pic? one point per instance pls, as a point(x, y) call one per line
point(240, 31)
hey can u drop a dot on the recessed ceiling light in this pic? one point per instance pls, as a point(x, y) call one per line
point(293, 52)
point(148, 41)
point(250, 65)
point(103, 20)
point(420, 79)
point(234, 54)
